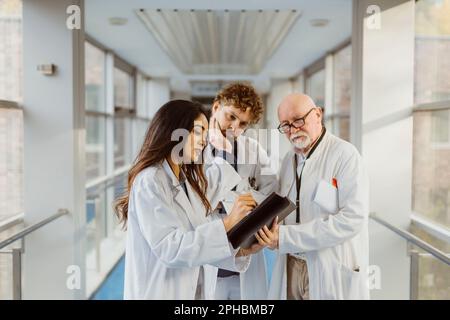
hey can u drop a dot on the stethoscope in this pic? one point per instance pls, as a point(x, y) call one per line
point(251, 180)
point(298, 179)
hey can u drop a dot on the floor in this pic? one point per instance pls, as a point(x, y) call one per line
point(112, 287)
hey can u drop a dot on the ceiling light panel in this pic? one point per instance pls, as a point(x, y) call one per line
point(219, 41)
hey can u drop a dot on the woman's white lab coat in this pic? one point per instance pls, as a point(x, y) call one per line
point(169, 236)
point(335, 243)
point(252, 163)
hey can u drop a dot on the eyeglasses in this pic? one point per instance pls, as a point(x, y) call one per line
point(297, 124)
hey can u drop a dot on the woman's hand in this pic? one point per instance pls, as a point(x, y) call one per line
point(216, 138)
point(242, 206)
point(268, 237)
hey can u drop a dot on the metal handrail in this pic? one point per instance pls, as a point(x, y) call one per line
point(437, 230)
point(105, 179)
point(413, 239)
point(11, 222)
point(20, 234)
point(6, 104)
point(432, 106)
point(17, 252)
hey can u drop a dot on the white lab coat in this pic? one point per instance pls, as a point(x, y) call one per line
point(169, 236)
point(335, 244)
point(253, 162)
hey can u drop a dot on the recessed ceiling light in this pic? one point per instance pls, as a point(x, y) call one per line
point(319, 22)
point(117, 21)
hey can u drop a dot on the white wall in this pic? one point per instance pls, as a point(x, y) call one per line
point(383, 65)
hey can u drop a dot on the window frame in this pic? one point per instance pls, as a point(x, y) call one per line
point(105, 53)
point(131, 72)
point(327, 63)
point(113, 111)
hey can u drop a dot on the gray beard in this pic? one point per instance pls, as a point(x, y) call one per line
point(303, 144)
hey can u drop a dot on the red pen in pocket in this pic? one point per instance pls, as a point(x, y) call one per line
point(334, 182)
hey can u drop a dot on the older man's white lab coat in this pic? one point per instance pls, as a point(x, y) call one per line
point(335, 243)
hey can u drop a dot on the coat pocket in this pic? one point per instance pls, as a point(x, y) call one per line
point(326, 196)
point(351, 279)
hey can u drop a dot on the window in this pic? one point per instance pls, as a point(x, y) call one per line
point(141, 122)
point(432, 52)
point(124, 103)
point(431, 181)
point(433, 279)
point(142, 126)
point(95, 59)
point(95, 147)
point(95, 78)
point(431, 138)
point(333, 80)
point(141, 95)
point(11, 162)
point(340, 126)
point(431, 165)
point(96, 114)
point(440, 132)
point(11, 50)
point(108, 145)
point(11, 129)
point(342, 81)
point(123, 93)
point(122, 141)
point(11, 116)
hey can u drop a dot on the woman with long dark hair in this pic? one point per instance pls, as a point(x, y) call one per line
point(174, 244)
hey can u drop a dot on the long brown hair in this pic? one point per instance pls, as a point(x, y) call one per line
point(158, 144)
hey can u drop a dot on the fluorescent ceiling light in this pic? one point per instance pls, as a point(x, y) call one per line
point(219, 41)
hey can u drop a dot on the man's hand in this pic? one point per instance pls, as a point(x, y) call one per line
point(269, 238)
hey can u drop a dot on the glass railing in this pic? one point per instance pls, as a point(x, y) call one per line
point(105, 243)
point(432, 274)
point(407, 264)
point(404, 264)
point(12, 251)
point(6, 260)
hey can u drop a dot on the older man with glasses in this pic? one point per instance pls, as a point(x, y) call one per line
point(323, 244)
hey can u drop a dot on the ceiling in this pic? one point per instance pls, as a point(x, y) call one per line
point(294, 42)
point(218, 41)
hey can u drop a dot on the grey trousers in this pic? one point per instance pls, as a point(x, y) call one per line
point(297, 279)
